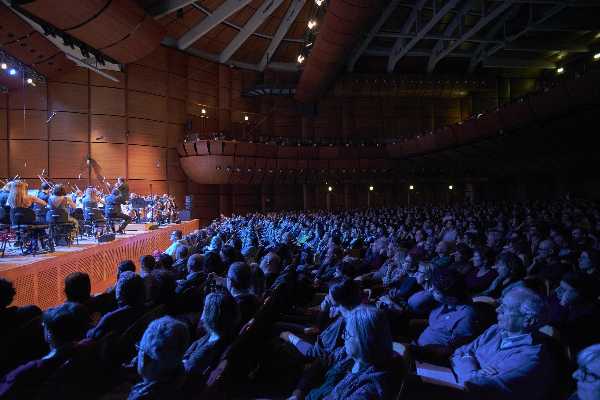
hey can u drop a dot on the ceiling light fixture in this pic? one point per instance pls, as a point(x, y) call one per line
point(300, 58)
point(311, 24)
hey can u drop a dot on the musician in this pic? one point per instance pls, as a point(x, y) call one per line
point(123, 188)
point(60, 201)
point(90, 205)
point(4, 194)
point(44, 192)
point(112, 208)
point(18, 198)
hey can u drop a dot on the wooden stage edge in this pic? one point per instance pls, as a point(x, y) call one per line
point(42, 282)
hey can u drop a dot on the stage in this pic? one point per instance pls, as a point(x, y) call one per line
point(39, 279)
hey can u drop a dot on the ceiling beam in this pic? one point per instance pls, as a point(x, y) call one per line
point(547, 15)
point(401, 48)
point(257, 19)
point(413, 53)
point(547, 47)
point(164, 7)
point(412, 20)
point(290, 16)
point(476, 39)
point(504, 62)
point(385, 15)
point(449, 31)
point(484, 21)
point(225, 10)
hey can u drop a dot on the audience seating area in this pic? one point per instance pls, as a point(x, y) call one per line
point(489, 301)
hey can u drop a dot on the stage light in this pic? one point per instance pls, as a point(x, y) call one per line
point(311, 24)
point(371, 188)
point(330, 188)
point(3, 66)
point(246, 118)
point(560, 70)
point(319, 3)
point(203, 111)
point(597, 56)
point(30, 82)
point(300, 58)
point(411, 187)
point(12, 72)
point(450, 187)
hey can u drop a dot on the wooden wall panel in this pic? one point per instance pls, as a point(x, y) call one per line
point(28, 157)
point(69, 126)
point(3, 124)
point(148, 106)
point(109, 101)
point(109, 160)
point(158, 59)
point(68, 159)
point(178, 190)
point(144, 79)
point(75, 75)
point(4, 158)
point(108, 128)
point(27, 124)
point(177, 62)
point(174, 171)
point(177, 111)
point(175, 135)
point(147, 133)
point(68, 97)
point(147, 186)
point(147, 162)
point(99, 80)
point(177, 87)
point(33, 98)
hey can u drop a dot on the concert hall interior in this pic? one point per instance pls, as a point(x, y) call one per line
point(300, 199)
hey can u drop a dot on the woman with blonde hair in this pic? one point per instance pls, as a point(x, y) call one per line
point(18, 197)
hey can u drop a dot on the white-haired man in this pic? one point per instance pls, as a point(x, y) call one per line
point(510, 359)
point(588, 374)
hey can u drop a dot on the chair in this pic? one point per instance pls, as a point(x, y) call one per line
point(29, 234)
point(94, 223)
point(5, 233)
point(126, 342)
point(60, 227)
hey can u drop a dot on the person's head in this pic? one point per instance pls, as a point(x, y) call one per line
point(17, 194)
point(367, 337)
point(587, 374)
point(448, 286)
point(220, 314)
point(270, 263)
point(212, 263)
point(160, 287)
point(227, 254)
point(239, 276)
point(589, 260)
point(410, 264)
point(575, 287)
point(148, 264)
point(125, 265)
point(195, 263)
point(493, 238)
point(521, 310)
point(509, 265)
point(424, 273)
point(7, 293)
point(176, 235)
point(45, 187)
point(115, 192)
point(164, 261)
point(64, 324)
point(578, 235)
point(546, 249)
point(463, 253)
point(78, 287)
point(483, 257)
point(442, 248)
point(121, 179)
point(59, 190)
point(181, 252)
point(130, 289)
point(346, 295)
point(161, 349)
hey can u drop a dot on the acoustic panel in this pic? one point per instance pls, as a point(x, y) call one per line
point(107, 101)
point(99, 80)
point(174, 171)
point(68, 159)
point(145, 79)
point(148, 106)
point(147, 162)
point(27, 124)
point(177, 111)
point(28, 158)
point(108, 160)
point(28, 97)
point(69, 126)
point(3, 124)
point(175, 135)
point(177, 87)
point(68, 97)
point(146, 132)
point(3, 158)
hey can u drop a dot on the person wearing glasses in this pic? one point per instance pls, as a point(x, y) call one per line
point(587, 374)
point(511, 359)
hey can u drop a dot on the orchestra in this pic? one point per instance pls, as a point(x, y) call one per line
point(92, 205)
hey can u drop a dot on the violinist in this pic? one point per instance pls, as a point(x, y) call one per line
point(19, 199)
point(123, 188)
point(44, 192)
point(60, 201)
point(90, 205)
point(112, 209)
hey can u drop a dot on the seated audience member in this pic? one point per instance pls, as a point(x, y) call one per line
point(451, 324)
point(441, 257)
point(147, 265)
point(12, 317)
point(363, 368)
point(270, 265)
point(239, 278)
point(344, 297)
point(482, 275)
point(422, 302)
point(78, 289)
point(546, 264)
point(176, 241)
point(574, 310)
point(160, 288)
point(64, 326)
point(510, 360)
point(195, 273)
point(213, 263)
point(125, 265)
point(219, 319)
point(587, 374)
point(180, 265)
point(165, 262)
point(510, 270)
point(462, 259)
point(589, 264)
point(130, 294)
point(159, 360)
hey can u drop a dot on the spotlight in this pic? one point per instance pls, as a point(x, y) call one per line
point(311, 24)
point(12, 72)
point(319, 3)
point(411, 187)
point(371, 188)
point(300, 58)
point(246, 118)
point(450, 187)
point(30, 82)
point(3, 66)
point(329, 188)
point(203, 111)
point(597, 56)
point(560, 70)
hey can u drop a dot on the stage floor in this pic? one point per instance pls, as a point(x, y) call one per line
point(40, 279)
